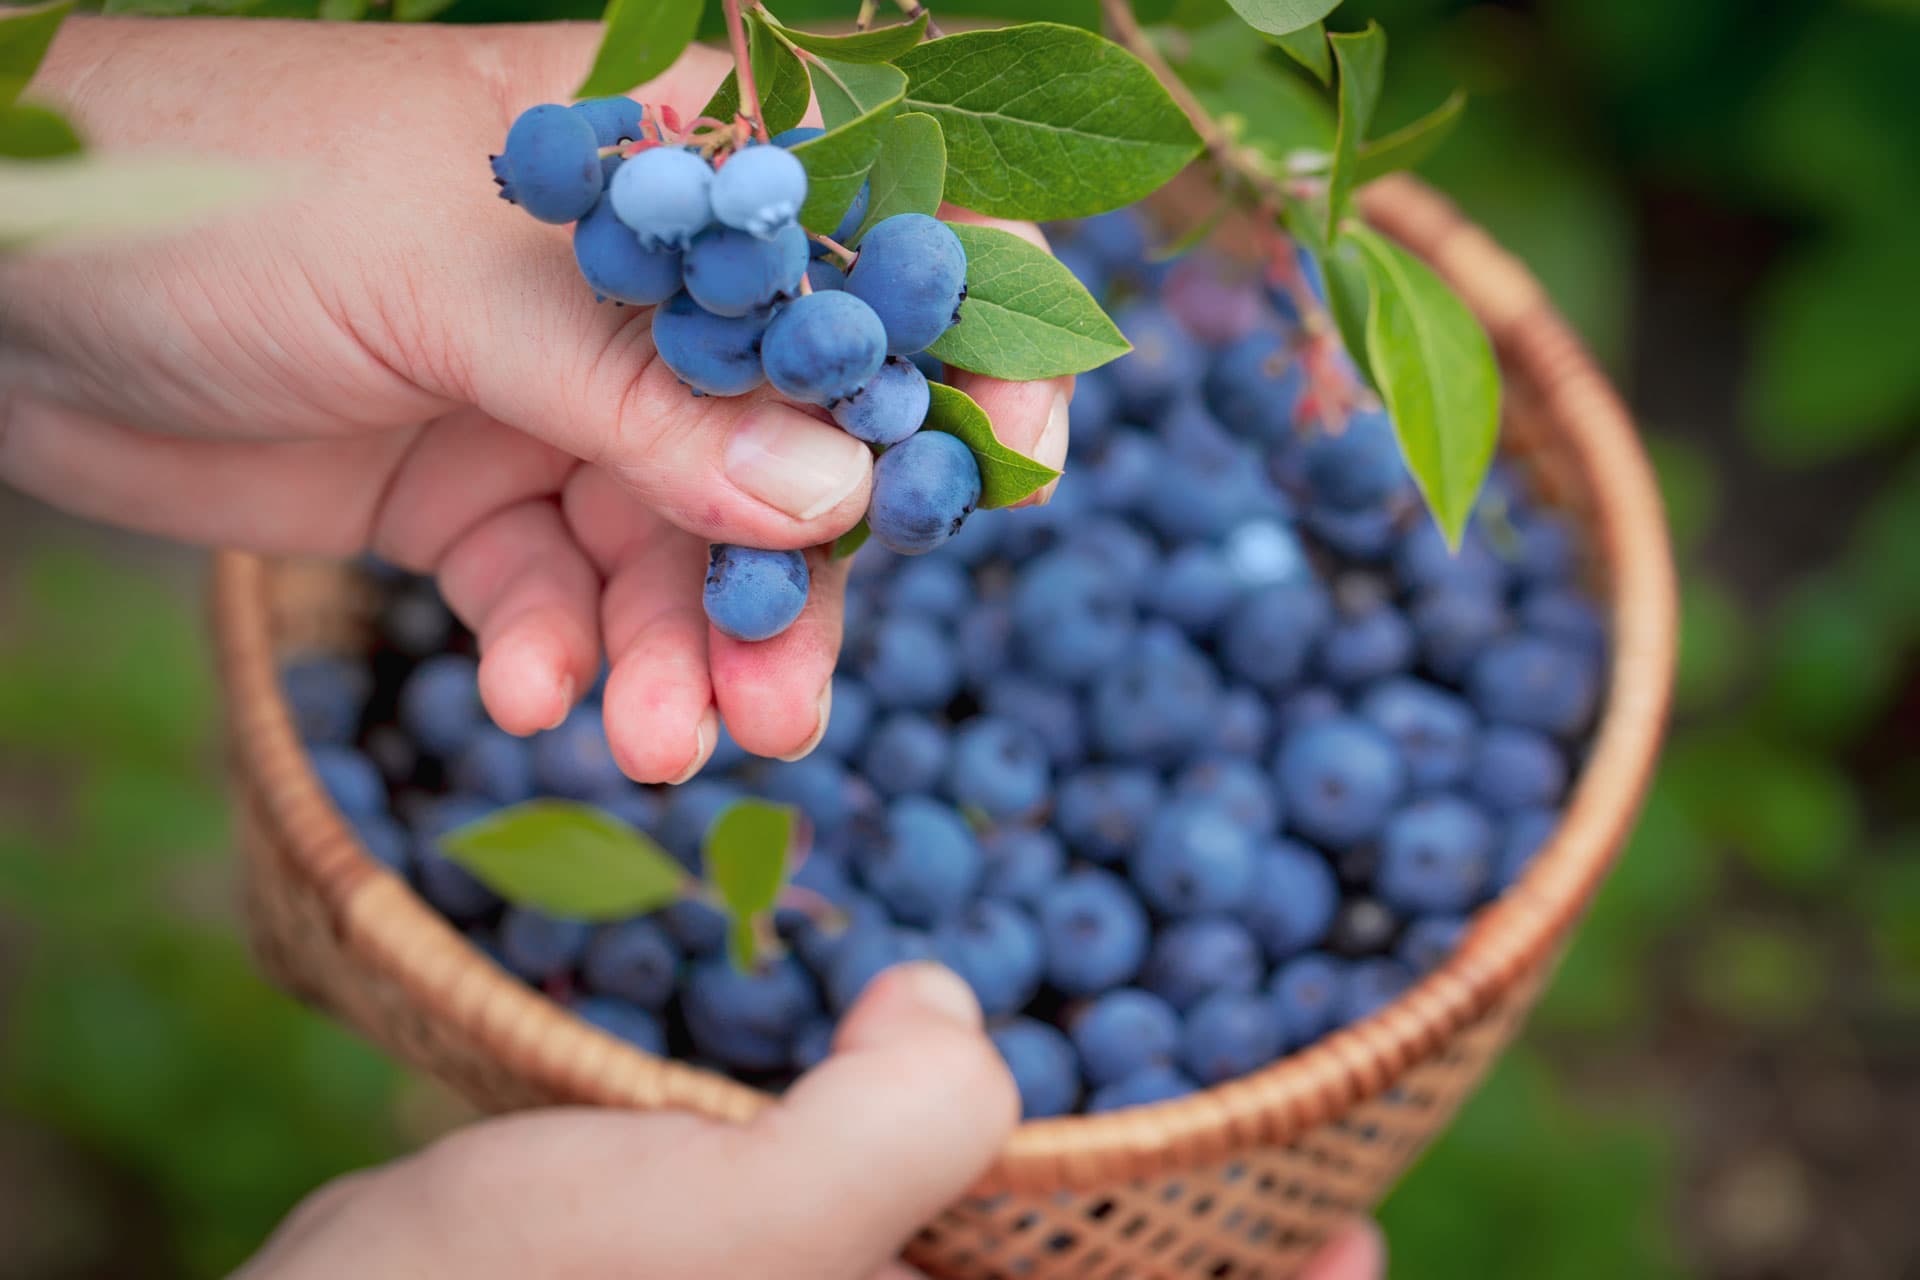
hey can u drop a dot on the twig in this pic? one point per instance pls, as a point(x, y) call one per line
point(834, 245)
point(913, 9)
point(743, 68)
point(865, 17)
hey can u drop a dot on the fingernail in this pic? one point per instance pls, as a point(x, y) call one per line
point(938, 990)
point(794, 463)
point(705, 735)
point(825, 708)
point(1051, 447)
point(566, 702)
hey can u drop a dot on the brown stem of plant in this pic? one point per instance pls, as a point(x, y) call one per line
point(743, 68)
point(913, 9)
point(846, 254)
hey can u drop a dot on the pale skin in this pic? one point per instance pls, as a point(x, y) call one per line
point(386, 358)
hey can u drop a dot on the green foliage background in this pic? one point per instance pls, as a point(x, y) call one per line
point(1725, 1077)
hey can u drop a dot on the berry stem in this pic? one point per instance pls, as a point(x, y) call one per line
point(913, 9)
point(847, 255)
point(865, 17)
point(743, 68)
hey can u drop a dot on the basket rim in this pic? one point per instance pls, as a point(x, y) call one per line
point(375, 913)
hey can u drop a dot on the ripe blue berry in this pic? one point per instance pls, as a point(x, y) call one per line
point(823, 348)
point(1194, 860)
point(1164, 363)
point(869, 948)
point(752, 594)
point(759, 190)
point(927, 865)
point(1195, 589)
point(1564, 614)
point(890, 407)
point(1229, 1034)
point(1339, 780)
point(625, 1022)
point(856, 212)
point(440, 703)
point(1357, 467)
point(851, 713)
point(1429, 940)
point(614, 119)
point(690, 810)
point(327, 696)
point(1365, 534)
point(1255, 384)
point(1103, 811)
point(1022, 864)
point(1195, 958)
point(823, 276)
point(1453, 626)
point(1370, 645)
point(748, 1020)
point(574, 760)
point(698, 929)
point(1525, 834)
point(907, 753)
point(1124, 1032)
point(1051, 713)
point(1043, 1066)
point(496, 765)
point(1306, 993)
point(1243, 791)
point(1095, 931)
point(1423, 561)
point(1268, 637)
point(550, 165)
point(1436, 855)
point(999, 768)
point(350, 780)
point(1369, 986)
point(636, 961)
point(732, 273)
point(715, 355)
point(1143, 1088)
point(1243, 725)
point(662, 194)
point(1156, 705)
point(1292, 900)
point(996, 947)
point(1073, 618)
point(1433, 728)
point(1536, 683)
point(1517, 769)
point(614, 264)
point(931, 587)
point(818, 786)
point(924, 488)
point(913, 272)
point(539, 946)
point(909, 662)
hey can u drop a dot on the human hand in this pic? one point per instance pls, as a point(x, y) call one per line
point(389, 358)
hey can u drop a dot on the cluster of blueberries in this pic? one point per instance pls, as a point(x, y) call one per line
point(742, 296)
point(1214, 754)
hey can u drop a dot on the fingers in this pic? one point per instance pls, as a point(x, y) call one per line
point(773, 694)
point(1358, 1253)
point(526, 589)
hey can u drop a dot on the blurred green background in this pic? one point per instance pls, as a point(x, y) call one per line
point(1724, 1080)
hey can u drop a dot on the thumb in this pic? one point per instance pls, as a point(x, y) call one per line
point(907, 1113)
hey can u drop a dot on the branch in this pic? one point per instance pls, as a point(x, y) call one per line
point(743, 68)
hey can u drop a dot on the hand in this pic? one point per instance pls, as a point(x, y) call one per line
point(826, 1185)
point(389, 358)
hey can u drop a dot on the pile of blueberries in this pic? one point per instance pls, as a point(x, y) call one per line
point(1214, 754)
point(742, 296)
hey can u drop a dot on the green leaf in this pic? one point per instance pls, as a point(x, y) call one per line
point(857, 100)
point(909, 171)
point(1435, 369)
point(1281, 17)
point(1277, 113)
point(1005, 476)
point(33, 132)
point(568, 860)
point(421, 10)
point(25, 35)
point(852, 540)
point(642, 38)
point(882, 44)
point(1308, 47)
point(84, 196)
point(777, 73)
point(342, 10)
point(745, 854)
point(1025, 316)
point(1406, 148)
point(1349, 299)
point(1363, 63)
point(1047, 121)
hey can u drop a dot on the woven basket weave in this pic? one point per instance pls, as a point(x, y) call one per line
point(1242, 1180)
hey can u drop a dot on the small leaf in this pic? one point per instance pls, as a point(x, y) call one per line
point(1277, 113)
point(1349, 298)
point(746, 852)
point(1280, 17)
point(857, 101)
point(25, 35)
point(1047, 121)
point(1406, 148)
point(84, 196)
point(1025, 316)
point(33, 132)
point(909, 171)
point(882, 44)
point(1363, 63)
point(1435, 370)
point(777, 74)
point(567, 859)
point(1005, 476)
point(642, 38)
point(852, 540)
point(1308, 47)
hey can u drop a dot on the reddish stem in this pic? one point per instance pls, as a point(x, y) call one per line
point(743, 68)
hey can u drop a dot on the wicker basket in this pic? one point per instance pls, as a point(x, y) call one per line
point(1242, 1180)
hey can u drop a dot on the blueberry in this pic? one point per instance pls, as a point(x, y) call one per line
point(823, 348)
point(1095, 933)
point(636, 961)
point(907, 753)
point(327, 696)
point(695, 927)
point(1229, 1034)
point(1525, 834)
point(1518, 769)
point(663, 195)
point(440, 703)
point(1545, 551)
point(927, 865)
point(1370, 645)
point(913, 272)
point(1237, 786)
point(1307, 706)
point(1052, 714)
point(1365, 534)
point(1143, 1088)
point(1164, 363)
point(1265, 551)
point(752, 594)
point(495, 764)
point(575, 760)
point(1156, 705)
point(1563, 614)
point(1433, 728)
point(1339, 780)
point(856, 212)
point(1429, 941)
point(1363, 926)
point(1043, 1066)
point(1202, 495)
point(1423, 561)
point(818, 786)
point(1255, 385)
point(979, 539)
point(1102, 811)
point(625, 1022)
point(824, 277)
point(1073, 618)
point(924, 488)
point(870, 948)
point(538, 946)
point(1268, 637)
point(1116, 238)
point(1126, 554)
point(1094, 413)
point(890, 407)
point(1212, 301)
point(933, 587)
point(614, 119)
point(1196, 958)
point(715, 355)
point(996, 947)
point(759, 190)
point(1195, 589)
point(747, 1021)
point(849, 714)
point(1124, 1032)
point(1305, 992)
point(1452, 626)
point(1436, 855)
point(1126, 471)
point(1037, 529)
point(1369, 986)
point(615, 266)
point(691, 808)
point(1359, 466)
point(350, 781)
point(550, 165)
point(734, 273)
point(1292, 901)
point(386, 841)
point(813, 1044)
point(909, 662)
point(999, 767)
point(1022, 864)
point(1536, 683)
